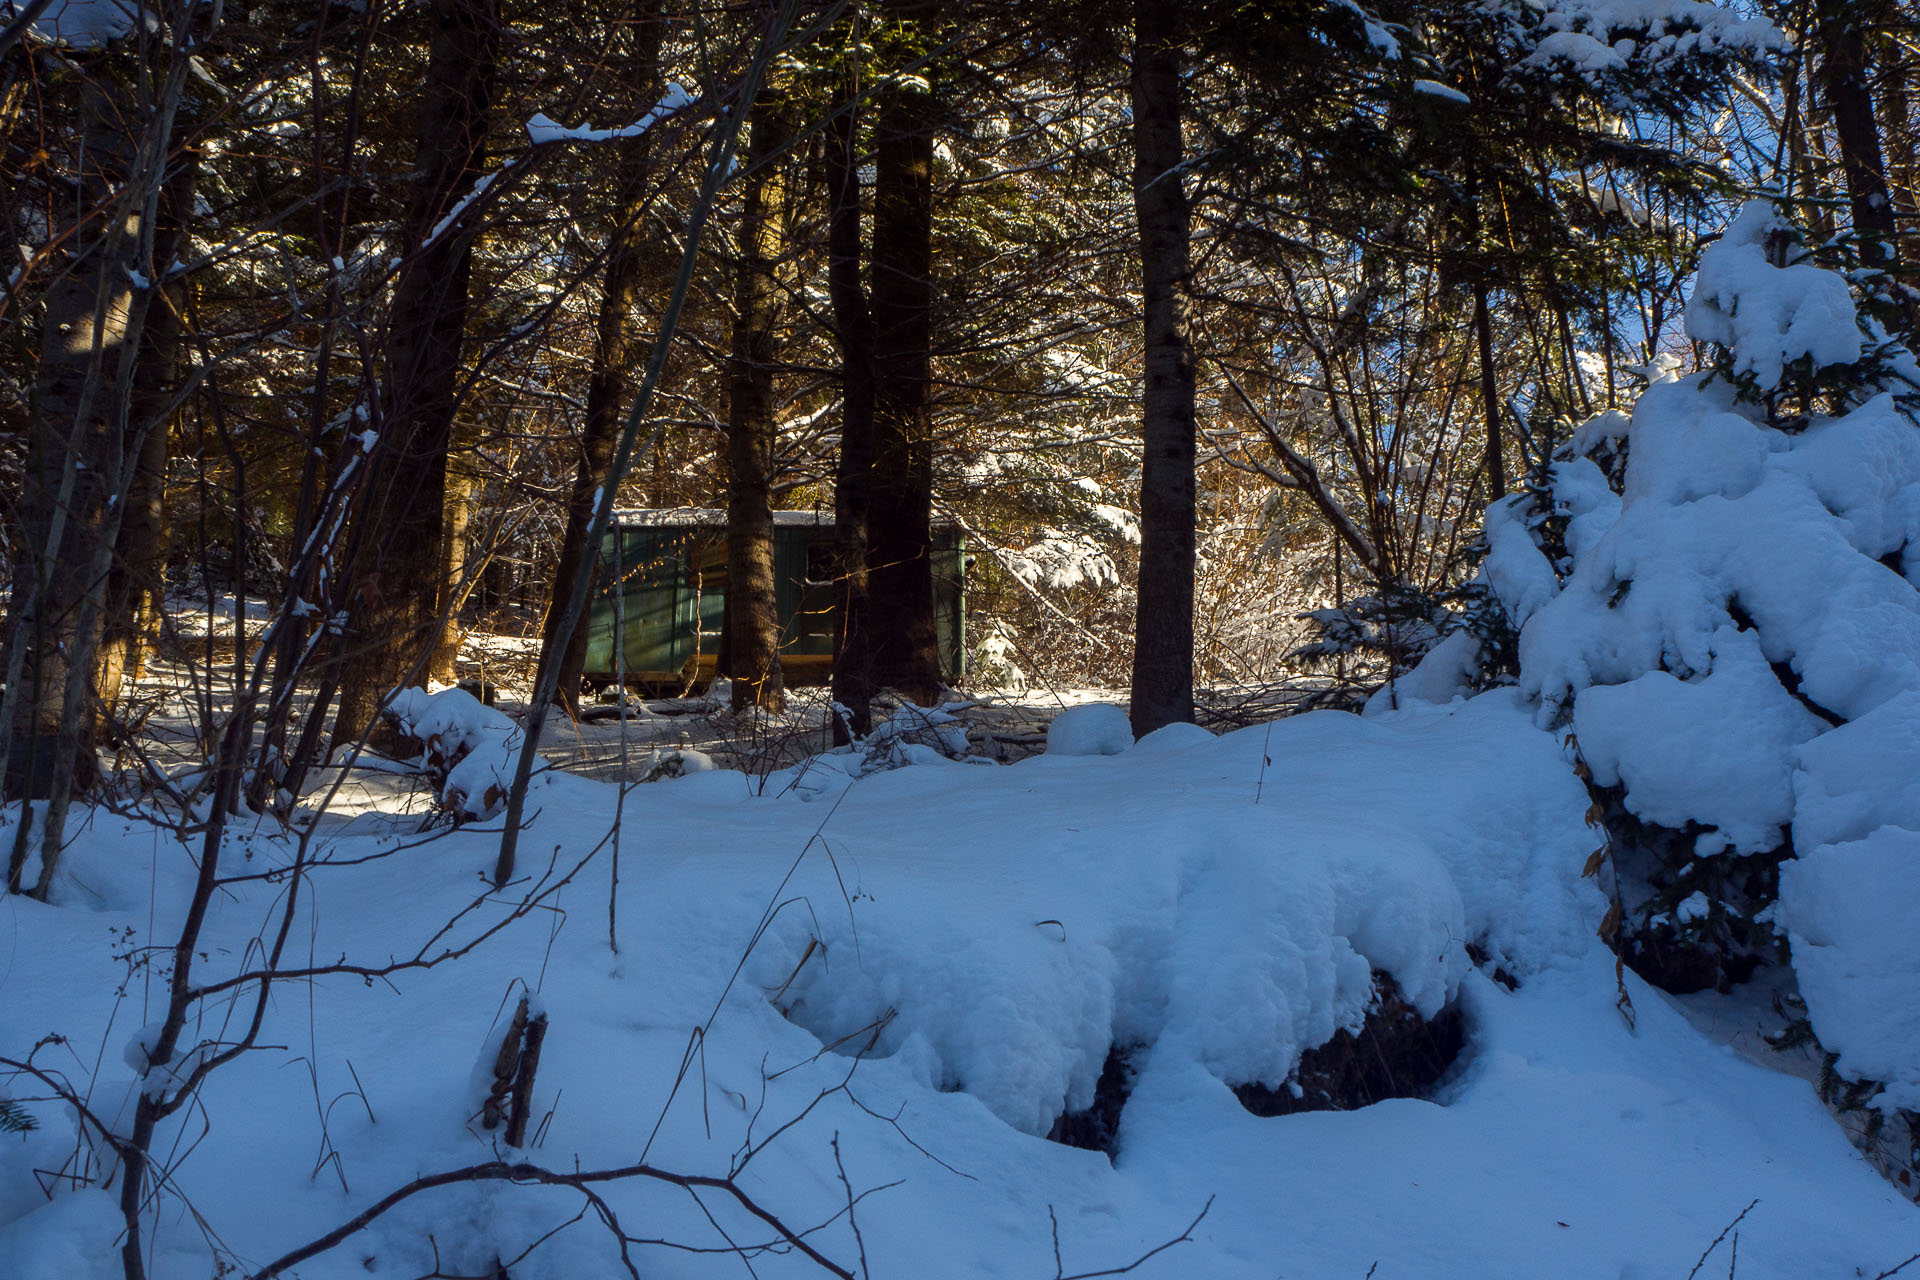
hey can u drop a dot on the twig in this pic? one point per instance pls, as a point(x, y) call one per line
point(1722, 1236)
point(502, 1171)
point(1185, 1237)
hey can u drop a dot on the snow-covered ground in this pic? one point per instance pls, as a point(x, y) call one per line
point(818, 1013)
point(1218, 902)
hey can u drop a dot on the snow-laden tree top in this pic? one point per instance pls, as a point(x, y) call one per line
point(1722, 601)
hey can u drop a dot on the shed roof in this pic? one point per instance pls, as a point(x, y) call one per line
point(667, 517)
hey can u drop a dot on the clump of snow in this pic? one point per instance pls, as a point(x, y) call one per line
point(542, 128)
point(1716, 750)
point(1848, 908)
point(1861, 776)
point(1435, 89)
point(1734, 637)
point(1091, 729)
point(85, 24)
point(1521, 579)
point(1769, 316)
point(471, 748)
point(1593, 36)
point(677, 763)
point(1445, 673)
point(158, 1078)
point(1177, 736)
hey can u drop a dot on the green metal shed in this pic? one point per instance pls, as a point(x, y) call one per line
point(659, 597)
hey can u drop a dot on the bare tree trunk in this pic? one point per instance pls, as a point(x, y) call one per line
point(443, 666)
point(1898, 130)
point(904, 652)
point(1489, 395)
point(76, 454)
point(392, 619)
point(1163, 621)
point(614, 352)
point(278, 776)
point(753, 621)
point(1844, 76)
point(852, 669)
point(134, 585)
point(86, 323)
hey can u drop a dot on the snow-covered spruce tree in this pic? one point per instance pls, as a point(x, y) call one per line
point(1717, 599)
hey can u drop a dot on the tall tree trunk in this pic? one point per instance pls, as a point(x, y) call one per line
point(1843, 76)
point(278, 774)
point(903, 644)
point(853, 686)
point(134, 585)
point(77, 449)
point(1898, 131)
point(444, 666)
point(753, 620)
point(83, 441)
point(1163, 621)
point(392, 620)
point(615, 351)
point(1489, 395)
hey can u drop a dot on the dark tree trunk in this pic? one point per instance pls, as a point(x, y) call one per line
point(444, 665)
point(279, 774)
point(1163, 622)
point(393, 622)
point(752, 646)
point(614, 353)
point(1844, 80)
point(134, 585)
point(903, 644)
point(1489, 395)
point(77, 452)
point(852, 669)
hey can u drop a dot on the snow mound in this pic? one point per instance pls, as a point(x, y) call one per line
point(74, 1236)
point(1094, 729)
point(1024, 950)
point(1735, 635)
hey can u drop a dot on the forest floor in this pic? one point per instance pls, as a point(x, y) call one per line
point(867, 999)
point(1003, 724)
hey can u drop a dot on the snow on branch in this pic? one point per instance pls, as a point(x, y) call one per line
point(543, 129)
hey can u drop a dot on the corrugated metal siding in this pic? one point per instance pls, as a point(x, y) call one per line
point(671, 612)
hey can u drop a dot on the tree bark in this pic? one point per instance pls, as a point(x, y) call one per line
point(1163, 621)
point(753, 620)
point(615, 350)
point(852, 666)
point(392, 619)
point(903, 644)
point(135, 586)
point(76, 450)
point(1844, 76)
point(1489, 395)
point(443, 666)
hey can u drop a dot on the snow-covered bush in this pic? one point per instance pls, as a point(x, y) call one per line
point(468, 748)
point(1720, 599)
point(1424, 647)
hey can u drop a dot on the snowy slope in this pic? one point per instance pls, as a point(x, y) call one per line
point(1216, 900)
